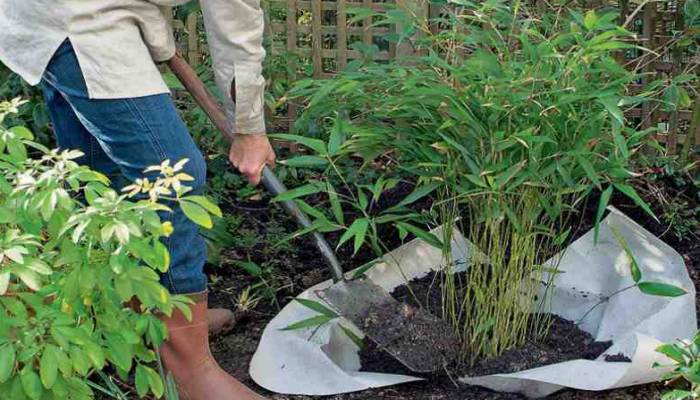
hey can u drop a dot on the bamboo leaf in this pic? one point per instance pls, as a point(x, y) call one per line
point(362, 199)
point(171, 387)
point(308, 323)
point(611, 104)
point(671, 97)
point(602, 205)
point(335, 205)
point(358, 230)
point(620, 141)
point(364, 268)
point(310, 210)
point(318, 307)
point(476, 180)
point(337, 135)
point(383, 219)
point(252, 268)
point(352, 336)
point(316, 145)
point(632, 194)
point(590, 20)
point(418, 193)
point(661, 289)
point(612, 45)
point(588, 169)
point(306, 162)
point(300, 191)
point(421, 234)
point(505, 176)
point(634, 266)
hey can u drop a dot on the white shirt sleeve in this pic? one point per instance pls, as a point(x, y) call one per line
point(235, 35)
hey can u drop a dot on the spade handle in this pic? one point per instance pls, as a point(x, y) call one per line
point(190, 80)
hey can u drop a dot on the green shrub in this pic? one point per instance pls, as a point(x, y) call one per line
point(33, 113)
point(509, 121)
point(685, 357)
point(73, 254)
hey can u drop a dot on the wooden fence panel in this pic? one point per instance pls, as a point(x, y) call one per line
point(330, 33)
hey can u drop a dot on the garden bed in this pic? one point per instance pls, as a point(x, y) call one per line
point(302, 268)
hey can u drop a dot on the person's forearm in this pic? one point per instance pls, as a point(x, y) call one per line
point(235, 35)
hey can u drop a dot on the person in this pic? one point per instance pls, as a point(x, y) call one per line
point(96, 64)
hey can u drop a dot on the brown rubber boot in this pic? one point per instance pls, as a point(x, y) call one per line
point(219, 320)
point(187, 356)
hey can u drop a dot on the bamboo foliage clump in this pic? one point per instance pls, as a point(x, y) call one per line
point(509, 121)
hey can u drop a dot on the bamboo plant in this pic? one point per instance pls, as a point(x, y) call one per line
point(509, 121)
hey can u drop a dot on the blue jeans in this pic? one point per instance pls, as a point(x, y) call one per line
point(120, 138)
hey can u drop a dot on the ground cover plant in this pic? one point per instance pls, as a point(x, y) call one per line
point(79, 263)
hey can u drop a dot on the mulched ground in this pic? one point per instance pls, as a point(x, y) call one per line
point(302, 268)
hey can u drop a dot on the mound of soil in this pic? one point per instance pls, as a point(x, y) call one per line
point(564, 342)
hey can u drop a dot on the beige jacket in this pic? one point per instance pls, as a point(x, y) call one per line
point(117, 41)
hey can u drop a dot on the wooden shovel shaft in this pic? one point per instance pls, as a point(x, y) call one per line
point(190, 80)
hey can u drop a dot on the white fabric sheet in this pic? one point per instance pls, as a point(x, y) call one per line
point(325, 361)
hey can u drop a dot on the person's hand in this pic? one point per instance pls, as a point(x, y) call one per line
point(250, 153)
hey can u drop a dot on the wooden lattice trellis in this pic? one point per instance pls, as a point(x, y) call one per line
point(656, 25)
point(317, 38)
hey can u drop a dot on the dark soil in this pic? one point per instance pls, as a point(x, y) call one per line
point(302, 267)
point(564, 342)
point(619, 357)
point(418, 338)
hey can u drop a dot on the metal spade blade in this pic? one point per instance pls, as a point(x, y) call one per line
point(416, 338)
